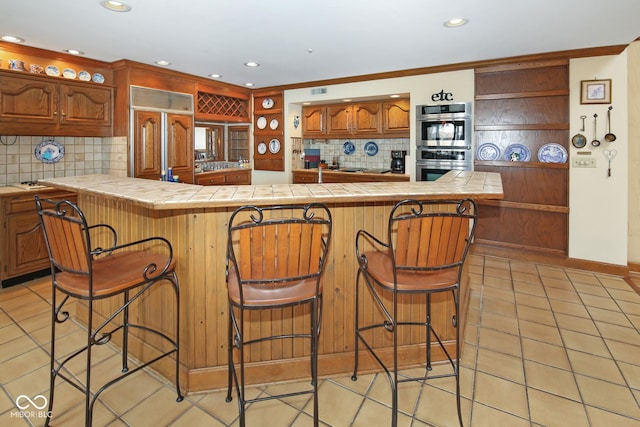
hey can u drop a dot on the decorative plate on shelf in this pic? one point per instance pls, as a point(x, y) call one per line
point(49, 151)
point(274, 146)
point(52, 71)
point(262, 147)
point(273, 124)
point(97, 78)
point(348, 148)
point(517, 153)
point(552, 153)
point(267, 103)
point(261, 122)
point(85, 76)
point(371, 148)
point(69, 73)
point(488, 152)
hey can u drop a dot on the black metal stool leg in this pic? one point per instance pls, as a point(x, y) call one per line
point(125, 332)
point(356, 331)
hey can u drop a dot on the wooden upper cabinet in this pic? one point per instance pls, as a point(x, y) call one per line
point(396, 117)
point(360, 120)
point(147, 144)
point(28, 101)
point(38, 105)
point(354, 119)
point(85, 105)
point(314, 121)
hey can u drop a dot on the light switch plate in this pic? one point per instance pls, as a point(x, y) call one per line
point(584, 162)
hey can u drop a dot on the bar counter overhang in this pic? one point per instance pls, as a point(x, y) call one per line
point(194, 219)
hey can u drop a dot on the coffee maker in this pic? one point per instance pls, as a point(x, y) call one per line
point(397, 161)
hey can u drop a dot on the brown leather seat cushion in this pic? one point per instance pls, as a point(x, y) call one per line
point(271, 294)
point(380, 267)
point(113, 273)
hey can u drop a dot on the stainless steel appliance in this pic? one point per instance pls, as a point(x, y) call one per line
point(444, 125)
point(443, 140)
point(397, 161)
point(431, 163)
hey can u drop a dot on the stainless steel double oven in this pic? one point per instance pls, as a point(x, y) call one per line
point(443, 140)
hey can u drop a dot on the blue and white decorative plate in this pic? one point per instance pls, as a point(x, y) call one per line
point(517, 153)
point(371, 148)
point(348, 148)
point(97, 78)
point(488, 151)
point(85, 76)
point(552, 153)
point(52, 70)
point(49, 151)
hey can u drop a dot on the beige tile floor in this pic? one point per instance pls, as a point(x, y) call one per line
point(544, 346)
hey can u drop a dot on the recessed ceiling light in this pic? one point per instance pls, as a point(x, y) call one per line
point(455, 22)
point(248, 84)
point(346, 100)
point(162, 63)
point(251, 64)
point(74, 51)
point(13, 39)
point(116, 6)
point(215, 76)
point(394, 96)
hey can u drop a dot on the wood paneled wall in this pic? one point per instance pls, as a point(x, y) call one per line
point(199, 238)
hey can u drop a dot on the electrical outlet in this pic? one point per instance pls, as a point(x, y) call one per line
point(584, 162)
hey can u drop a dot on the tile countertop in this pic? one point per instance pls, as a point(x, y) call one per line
point(160, 195)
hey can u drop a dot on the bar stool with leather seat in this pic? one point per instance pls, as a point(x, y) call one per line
point(275, 259)
point(90, 273)
point(427, 243)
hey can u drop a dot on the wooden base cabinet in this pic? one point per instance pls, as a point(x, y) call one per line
point(23, 250)
point(225, 177)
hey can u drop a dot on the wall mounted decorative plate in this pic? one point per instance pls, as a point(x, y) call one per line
point(262, 148)
point(348, 148)
point(49, 151)
point(371, 148)
point(262, 122)
point(274, 146)
point(273, 124)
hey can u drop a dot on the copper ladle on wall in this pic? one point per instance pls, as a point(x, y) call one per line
point(609, 137)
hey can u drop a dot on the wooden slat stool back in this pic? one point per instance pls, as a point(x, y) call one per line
point(79, 270)
point(427, 243)
point(275, 259)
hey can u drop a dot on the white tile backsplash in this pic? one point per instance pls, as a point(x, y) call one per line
point(333, 148)
point(83, 156)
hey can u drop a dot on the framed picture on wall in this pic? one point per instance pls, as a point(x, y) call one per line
point(595, 91)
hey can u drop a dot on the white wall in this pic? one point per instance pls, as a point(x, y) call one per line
point(418, 88)
point(598, 215)
point(633, 111)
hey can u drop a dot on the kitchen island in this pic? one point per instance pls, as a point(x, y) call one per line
point(194, 218)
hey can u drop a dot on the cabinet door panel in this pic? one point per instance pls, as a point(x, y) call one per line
point(27, 251)
point(366, 118)
point(313, 121)
point(29, 101)
point(396, 116)
point(85, 106)
point(338, 119)
point(147, 144)
point(180, 146)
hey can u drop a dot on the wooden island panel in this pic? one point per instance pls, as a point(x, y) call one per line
point(197, 231)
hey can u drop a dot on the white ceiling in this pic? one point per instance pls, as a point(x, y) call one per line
point(347, 37)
